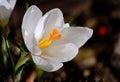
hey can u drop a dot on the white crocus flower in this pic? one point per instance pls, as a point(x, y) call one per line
point(51, 41)
point(6, 7)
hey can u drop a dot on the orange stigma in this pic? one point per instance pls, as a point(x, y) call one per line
point(55, 35)
point(44, 42)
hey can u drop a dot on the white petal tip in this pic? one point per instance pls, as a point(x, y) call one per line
point(46, 65)
point(90, 31)
point(33, 6)
point(57, 67)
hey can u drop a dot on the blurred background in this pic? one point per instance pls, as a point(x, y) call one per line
point(99, 59)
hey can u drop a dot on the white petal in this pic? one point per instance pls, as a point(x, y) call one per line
point(31, 18)
point(75, 35)
point(30, 21)
point(4, 16)
point(55, 20)
point(5, 11)
point(60, 53)
point(40, 28)
point(12, 3)
point(5, 4)
point(67, 25)
point(46, 65)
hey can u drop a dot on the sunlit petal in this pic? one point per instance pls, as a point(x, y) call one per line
point(55, 20)
point(66, 25)
point(75, 35)
point(4, 16)
point(6, 7)
point(12, 3)
point(30, 21)
point(5, 4)
point(40, 28)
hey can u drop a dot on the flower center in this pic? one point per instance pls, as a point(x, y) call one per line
point(44, 42)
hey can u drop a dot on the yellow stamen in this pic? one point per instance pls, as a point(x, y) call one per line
point(44, 42)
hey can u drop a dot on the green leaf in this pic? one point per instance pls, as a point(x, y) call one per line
point(1, 54)
point(21, 64)
point(4, 52)
point(10, 58)
point(22, 60)
point(18, 74)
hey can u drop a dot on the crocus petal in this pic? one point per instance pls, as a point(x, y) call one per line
point(5, 4)
point(60, 53)
point(55, 20)
point(40, 28)
point(30, 21)
point(75, 35)
point(4, 16)
point(12, 3)
point(6, 7)
point(66, 25)
point(46, 65)
point(4, 12)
